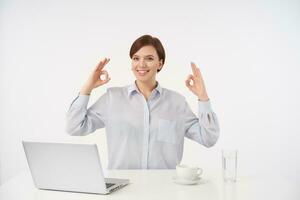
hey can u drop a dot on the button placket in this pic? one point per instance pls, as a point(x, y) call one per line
point(146, 135)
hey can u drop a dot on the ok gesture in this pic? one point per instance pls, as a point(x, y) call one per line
point(195, 83)
point(97, 78)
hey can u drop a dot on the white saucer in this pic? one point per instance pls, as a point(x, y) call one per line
point(185, 181)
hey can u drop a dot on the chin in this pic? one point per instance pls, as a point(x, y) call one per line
point(144, 80)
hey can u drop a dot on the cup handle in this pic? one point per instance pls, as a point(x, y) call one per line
point(199, 171)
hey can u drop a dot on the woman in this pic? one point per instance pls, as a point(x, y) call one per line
point(145, 123)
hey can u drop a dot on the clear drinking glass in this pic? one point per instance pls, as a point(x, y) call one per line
point(229, 164)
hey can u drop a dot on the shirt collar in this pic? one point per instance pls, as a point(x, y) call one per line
point(134, 89)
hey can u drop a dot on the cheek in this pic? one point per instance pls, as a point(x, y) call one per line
point(153, 66)
point(133, 66)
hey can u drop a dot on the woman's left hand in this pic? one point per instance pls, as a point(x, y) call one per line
point(195, 83)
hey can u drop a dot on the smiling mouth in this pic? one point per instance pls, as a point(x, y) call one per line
point(142, 72)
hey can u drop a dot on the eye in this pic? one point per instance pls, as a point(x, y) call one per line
point(135, 58)
point(150, 58)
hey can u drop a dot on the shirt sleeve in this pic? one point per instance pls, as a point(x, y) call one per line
point(203, 129)
point(82, 121)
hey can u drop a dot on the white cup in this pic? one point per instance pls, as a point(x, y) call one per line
point(187, 172)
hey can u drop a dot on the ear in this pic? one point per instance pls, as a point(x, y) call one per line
point(160, 64)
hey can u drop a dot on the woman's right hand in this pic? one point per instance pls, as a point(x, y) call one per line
point(95, 80)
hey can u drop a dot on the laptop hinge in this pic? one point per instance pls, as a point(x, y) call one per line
point(116, 188)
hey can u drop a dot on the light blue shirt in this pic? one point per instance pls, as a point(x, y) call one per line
point(143, 134)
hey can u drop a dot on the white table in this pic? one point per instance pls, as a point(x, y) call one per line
point(158, 184)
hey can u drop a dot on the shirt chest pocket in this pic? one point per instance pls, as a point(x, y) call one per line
point(166, 131)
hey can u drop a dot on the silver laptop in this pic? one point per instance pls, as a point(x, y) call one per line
point(69, 167)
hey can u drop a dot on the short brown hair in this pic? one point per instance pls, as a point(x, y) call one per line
point(146, 40)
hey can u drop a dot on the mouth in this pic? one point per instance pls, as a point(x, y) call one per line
point(142, 72)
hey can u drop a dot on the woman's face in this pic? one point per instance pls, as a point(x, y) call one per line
point(145, 63)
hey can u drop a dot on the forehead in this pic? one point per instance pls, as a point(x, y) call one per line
point(146, 50)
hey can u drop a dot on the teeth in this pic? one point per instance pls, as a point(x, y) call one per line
point(142, 71)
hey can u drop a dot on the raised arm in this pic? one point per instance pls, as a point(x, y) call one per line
point(204, 129)
point(80, 120)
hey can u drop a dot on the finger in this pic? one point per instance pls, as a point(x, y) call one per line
point(189, 85)
point(194, 68)
point(108, 79)
point(107, 60)
point(189, 81)
point(198, 72)
point(99, 65)
point(99, 82)
point(193, 78)
point(103, 75)
point(102, 64)
point(104, 72)
point(189, 76)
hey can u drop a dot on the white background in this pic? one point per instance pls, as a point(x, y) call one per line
point(248, 52)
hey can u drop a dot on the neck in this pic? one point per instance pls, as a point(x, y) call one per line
point(146, 87)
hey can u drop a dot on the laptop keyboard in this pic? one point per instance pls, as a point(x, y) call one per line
point(109, 185)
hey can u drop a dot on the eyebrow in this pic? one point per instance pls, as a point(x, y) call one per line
point(144, 56)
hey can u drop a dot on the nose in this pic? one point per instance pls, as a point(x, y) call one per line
point(141, 63)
